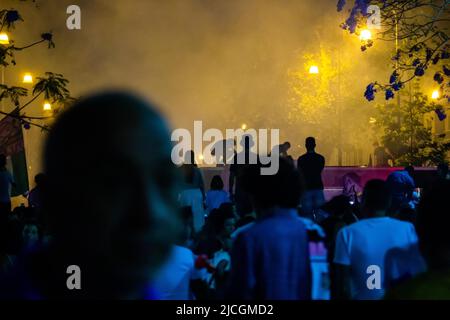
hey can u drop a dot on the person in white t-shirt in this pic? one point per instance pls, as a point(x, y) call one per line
point(216, 195)
point(192, 194)
point(172, 282)
point(376, 251)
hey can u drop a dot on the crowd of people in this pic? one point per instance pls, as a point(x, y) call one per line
point(111, 202)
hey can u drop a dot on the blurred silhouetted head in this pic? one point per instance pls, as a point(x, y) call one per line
point(111, 190)
point(30, 234)
point(338, 206)
point(310, 143)
point(39, 179)
point(410, 170)
point(221, 221)
point(216, 183)
point(351, 177)
point(376, 198)
point(282, 189)
point(228, 208)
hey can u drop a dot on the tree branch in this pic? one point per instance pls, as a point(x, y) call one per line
point(29, 122)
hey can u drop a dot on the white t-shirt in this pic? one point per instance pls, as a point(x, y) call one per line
point(193, 198)
point(218, 257)
point(172, 282)
point(389, 244)
point(214, 198)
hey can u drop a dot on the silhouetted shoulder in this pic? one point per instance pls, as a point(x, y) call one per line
point(301, 158)
point(267, 227)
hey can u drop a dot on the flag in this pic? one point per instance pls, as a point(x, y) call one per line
point(13, 147)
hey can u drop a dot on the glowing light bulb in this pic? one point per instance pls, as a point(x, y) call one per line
point(365, 35)
point(47, 106)
point(314, 70)
point(27, 78)
point(435, 95)
point(4, 39)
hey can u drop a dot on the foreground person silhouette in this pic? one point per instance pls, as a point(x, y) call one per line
point(434, 240)
point(270, 258)
point(110, 201)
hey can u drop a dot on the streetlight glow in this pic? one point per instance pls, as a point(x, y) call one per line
point(27, 78)
point(314, 70)
point(4, 39)
point(244, 126)
point(365, 35)
point(435, 95)
point(47, 106)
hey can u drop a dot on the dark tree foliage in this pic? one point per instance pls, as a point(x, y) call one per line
point(52, 86)
point(421, 27)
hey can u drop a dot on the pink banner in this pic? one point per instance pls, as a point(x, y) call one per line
point(333, 177)
point(11, 139)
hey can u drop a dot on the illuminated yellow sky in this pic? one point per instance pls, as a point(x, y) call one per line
point(220, 61)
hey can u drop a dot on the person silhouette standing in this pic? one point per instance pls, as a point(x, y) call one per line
point(311, 165)
point(240, 162)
